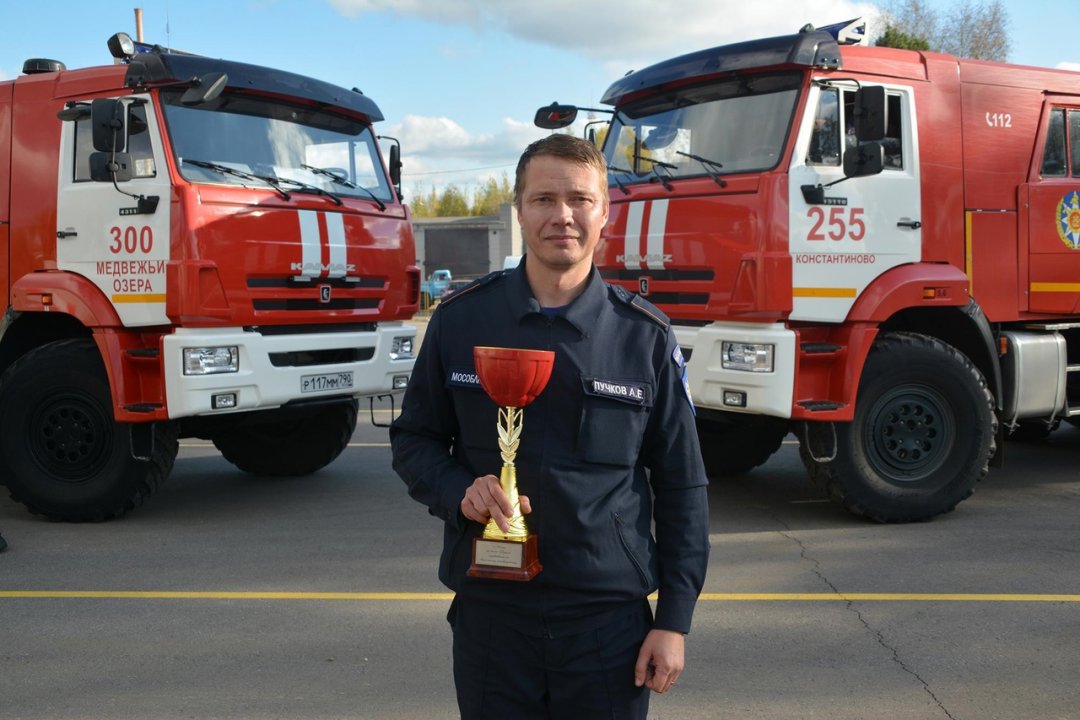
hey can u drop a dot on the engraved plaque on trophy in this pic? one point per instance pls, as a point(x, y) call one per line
point(512, 378)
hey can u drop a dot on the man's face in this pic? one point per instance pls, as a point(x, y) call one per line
point(563, 208)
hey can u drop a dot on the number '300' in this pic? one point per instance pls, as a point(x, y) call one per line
point(131, 239)
point(842, 222)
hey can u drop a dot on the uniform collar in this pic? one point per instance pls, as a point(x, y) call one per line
point(581, 313)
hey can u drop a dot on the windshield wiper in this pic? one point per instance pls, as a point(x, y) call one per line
point(710, 166)
point(226, 170)
point(618, 182)
point(330, 174)
point(302, 186)
point(344, 181)
point(657, 175)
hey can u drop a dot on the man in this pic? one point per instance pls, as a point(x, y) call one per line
point(3, 544)
point(608, 448)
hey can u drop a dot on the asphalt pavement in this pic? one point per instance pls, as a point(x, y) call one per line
point(234, 596)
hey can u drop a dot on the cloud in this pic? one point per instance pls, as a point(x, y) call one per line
point(439, 151)
point(1075, 67)
point(622, 31)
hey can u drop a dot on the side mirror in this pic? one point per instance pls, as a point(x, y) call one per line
point(555, 116)
point(204, 89)
point(110, 167)
point(866, 158)
point(870, 113)
point(107, 120)
point(395, 167)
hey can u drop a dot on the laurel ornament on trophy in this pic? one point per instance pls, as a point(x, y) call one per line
point(513, 378)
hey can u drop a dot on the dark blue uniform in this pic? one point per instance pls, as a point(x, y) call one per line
point(608, 448)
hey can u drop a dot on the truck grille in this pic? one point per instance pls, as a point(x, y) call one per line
point(305, 358)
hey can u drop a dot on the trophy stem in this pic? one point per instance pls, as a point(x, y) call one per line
point(518, 530)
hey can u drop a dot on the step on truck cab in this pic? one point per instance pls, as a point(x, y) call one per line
point(191, 247)
point(875, 249)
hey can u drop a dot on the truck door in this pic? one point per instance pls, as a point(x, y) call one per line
point(862, 226)
point(1054, 216)
point(102, 233)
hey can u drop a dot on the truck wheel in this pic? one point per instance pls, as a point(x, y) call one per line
point(62, 453)
point(735, 448)
point(296, 446)
point(921, 438)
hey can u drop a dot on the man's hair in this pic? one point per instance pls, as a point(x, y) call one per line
point(565, 147)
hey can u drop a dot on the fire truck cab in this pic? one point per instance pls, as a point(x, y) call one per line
point(875, 249)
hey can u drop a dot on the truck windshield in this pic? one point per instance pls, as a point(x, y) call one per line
point(729, 126)
point(301, 148)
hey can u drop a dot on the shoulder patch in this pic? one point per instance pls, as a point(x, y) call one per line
point(475, 284)
point(639, 304)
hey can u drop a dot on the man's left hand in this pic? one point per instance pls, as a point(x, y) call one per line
point(660, 660)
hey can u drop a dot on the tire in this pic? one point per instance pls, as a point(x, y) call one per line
point(293, 446)
point(921, 439)
point(62, 453)
point(737, 447)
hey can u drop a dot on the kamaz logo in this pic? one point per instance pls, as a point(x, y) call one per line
point(324, 293)
point(310, 268)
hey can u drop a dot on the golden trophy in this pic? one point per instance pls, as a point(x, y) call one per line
point(513, 378)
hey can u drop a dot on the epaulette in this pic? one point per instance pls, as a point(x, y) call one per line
point(641, 305)
point(475, 284)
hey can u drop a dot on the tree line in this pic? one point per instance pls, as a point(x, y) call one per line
point(454, 201)
point(967, 29)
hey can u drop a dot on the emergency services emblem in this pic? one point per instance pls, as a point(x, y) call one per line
point(680, 362)
point(1069, 220)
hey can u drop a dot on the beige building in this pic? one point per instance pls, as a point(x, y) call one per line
point(469, 247)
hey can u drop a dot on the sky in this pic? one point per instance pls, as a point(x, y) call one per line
point(459, 81)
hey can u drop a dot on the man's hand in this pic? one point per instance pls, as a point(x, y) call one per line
point(660, 660)
point(485, 499)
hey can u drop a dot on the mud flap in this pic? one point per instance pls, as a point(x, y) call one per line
point(371, 407)
point(142, 441)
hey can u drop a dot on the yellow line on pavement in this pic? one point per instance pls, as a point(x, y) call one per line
point(887, 597)
point(383, 596)
point(217, 595)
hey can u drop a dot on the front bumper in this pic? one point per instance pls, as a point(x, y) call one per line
point(764, 393)
point(260, 384)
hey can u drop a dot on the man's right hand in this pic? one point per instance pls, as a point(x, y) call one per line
point(485, 499)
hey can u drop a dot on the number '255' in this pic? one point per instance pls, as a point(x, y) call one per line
point(842, 222)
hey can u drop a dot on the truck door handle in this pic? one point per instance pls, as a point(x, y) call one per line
point(913, 224)
point(61, 234)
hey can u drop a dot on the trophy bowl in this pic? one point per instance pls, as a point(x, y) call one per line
point(513, 377)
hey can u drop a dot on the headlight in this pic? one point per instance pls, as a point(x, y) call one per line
point(401, 348)
point(211, 360)
point(748, 357)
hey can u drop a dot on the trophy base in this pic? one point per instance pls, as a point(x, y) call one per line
point(505, 559)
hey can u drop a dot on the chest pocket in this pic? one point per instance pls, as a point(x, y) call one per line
point(613, 417)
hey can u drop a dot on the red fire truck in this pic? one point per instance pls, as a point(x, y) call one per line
point(190, 247)
point(875, 249)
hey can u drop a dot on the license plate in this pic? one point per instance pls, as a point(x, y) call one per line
point(327, 381)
